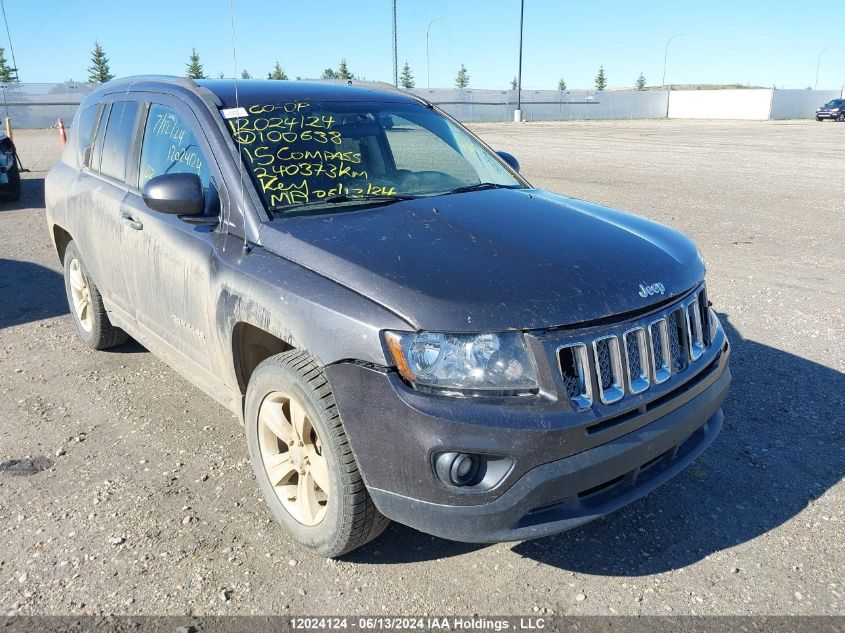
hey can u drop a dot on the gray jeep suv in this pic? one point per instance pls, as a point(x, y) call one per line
point(406, 327)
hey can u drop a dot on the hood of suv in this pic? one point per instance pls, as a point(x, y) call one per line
point(493, 260)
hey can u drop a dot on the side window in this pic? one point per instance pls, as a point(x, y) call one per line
point(119, 136)
point(97, 151)
point(170, 147)
point(85, 131)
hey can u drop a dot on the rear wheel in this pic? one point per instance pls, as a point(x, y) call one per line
point(302, 459)
point(86, 305)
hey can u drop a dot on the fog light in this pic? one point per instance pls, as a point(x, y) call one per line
point(457, 469)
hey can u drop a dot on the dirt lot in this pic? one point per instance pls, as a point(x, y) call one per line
point(138, 496)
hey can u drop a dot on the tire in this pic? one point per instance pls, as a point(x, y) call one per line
point(12, 190)
point(92, 322)
point(841, 118)
point(343, 517)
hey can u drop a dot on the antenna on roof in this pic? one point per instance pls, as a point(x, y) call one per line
point(9, 35)
point(245, 249)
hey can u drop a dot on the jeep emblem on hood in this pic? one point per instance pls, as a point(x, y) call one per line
point(654, 289)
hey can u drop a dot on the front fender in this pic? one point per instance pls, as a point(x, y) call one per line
point(307, 311)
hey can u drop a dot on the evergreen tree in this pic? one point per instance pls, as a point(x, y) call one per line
point(245, 74)
point(462, 79)
point(514, 84)
point(329, 73)
point(343, 71)
point(561, 85)
point(406, 79)
point(640, 85)
point(194, 68)
point(99, 71)
point(277, 72)
point(601, 80)
point(6, 73)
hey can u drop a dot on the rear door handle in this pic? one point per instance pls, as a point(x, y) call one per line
point(132, 222)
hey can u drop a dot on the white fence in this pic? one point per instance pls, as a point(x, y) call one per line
point(549, 105)
point(572, 105)
point(800, 104)
point(40, 105)
point(720, 104)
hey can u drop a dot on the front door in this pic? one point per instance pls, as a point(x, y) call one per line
point(172, 258)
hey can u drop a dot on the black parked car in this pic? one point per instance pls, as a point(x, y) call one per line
point(406, 327)
point(833, 110)
point(10, 175)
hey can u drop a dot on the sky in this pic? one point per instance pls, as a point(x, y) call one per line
point(773, 42)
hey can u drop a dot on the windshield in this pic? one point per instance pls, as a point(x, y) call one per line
point(307, 157)
point(831, 104)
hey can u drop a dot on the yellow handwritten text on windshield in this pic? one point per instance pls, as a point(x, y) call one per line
point(299, 156)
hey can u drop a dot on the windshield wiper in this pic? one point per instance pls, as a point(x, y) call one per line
point(341, 198)
point(481, 186)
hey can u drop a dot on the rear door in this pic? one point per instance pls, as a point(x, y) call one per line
point(172, 258)
point(98, 198)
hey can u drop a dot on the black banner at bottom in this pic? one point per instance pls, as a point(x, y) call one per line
point(433, 623)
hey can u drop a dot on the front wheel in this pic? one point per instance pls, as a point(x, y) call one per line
point(841, 118)
point(302, 459)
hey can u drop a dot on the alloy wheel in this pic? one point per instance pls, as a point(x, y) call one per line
point(292, 454)
point(80, 293)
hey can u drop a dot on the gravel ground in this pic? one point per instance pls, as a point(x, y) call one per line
point(123, 489)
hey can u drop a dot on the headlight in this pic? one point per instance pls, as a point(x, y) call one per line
point(464, 364)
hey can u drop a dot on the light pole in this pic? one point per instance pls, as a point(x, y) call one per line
point(427, 55)
point(666, 56)
point(517, 116)
point(395, 50)
point(819, 65)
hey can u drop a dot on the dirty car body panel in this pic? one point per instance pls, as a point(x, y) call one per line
point(630, 362)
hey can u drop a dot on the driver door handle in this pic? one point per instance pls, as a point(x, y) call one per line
point(132, 222)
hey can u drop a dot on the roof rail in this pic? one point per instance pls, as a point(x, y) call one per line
point(383, 85)
point(359, 82)
point(173, 79)
point(183, 82)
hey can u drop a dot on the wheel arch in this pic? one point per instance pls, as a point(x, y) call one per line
point(251, 345)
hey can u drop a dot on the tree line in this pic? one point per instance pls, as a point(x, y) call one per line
point(100, 72)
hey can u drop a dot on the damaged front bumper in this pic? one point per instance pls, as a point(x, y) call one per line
point(562, 474)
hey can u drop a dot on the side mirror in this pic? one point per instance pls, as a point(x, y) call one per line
point(174, 194)
point(510, 159)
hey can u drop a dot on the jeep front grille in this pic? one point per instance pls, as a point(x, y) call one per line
point(658, 338)
point(575, 369)
point(676, 321)
point(636, 360)
point(643, 355)
point(609, 369)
